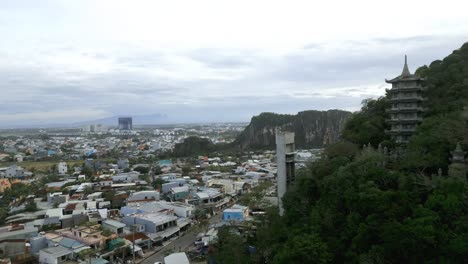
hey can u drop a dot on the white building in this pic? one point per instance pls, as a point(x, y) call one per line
point(19, 158)
point(176, 258)
point(14, 171)
point(144, 195)
point(126, 177)
point(179, 209)
point(62, 168)
point(54, 255)
point(114, 226)
point(164, 225)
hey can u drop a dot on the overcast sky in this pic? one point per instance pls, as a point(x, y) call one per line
point(205, 61)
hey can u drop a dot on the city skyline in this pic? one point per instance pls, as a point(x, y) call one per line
point(209, 61)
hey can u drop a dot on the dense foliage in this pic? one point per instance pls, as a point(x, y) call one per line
point(365, 212)
point(445, 123)
point(363, 206)
point(368, 125)
point(194, 146)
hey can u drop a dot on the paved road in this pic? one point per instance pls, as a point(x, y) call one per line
point(180, 244)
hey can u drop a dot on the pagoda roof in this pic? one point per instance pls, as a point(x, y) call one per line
point(405, 75)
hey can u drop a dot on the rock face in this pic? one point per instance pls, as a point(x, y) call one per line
point(313, 129)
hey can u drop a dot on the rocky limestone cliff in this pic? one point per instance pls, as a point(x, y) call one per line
point(313, 129)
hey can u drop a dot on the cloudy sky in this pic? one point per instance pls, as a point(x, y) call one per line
point(204, 61)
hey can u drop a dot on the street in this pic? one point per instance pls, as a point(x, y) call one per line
point(180, 244)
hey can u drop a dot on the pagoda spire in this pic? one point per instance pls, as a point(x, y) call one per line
point(406, 72)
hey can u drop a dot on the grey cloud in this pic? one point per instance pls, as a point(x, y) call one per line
point(313, 46)
point(298, 81)
point(422, 38)
point(222, 58)
point(352, 65)
point(141, 59)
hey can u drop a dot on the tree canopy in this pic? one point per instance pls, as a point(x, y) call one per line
point(363, 206)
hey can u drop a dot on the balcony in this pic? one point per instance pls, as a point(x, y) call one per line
point(407, 98)
point(405, 89)
point(405, 109)
point(405, 120)
point(397, 131)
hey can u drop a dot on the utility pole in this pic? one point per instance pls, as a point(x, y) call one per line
point(134, 228)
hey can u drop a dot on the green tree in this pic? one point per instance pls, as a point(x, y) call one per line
point(31, 207)
point(87, 171)
point(194, 146)
point(186, 170)
point(157, 184)
point(368, 125)
point(142, 169)
point(303, 249)
point(231, 248)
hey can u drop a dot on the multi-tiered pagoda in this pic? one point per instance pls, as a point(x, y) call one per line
point(406, 110)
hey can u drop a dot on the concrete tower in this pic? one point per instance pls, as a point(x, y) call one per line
point(286, 173)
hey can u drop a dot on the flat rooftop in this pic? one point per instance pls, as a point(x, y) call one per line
point(157, 218)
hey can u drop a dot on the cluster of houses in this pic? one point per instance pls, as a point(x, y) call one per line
point(120, 209)
point(100, 141)
point(75, 147)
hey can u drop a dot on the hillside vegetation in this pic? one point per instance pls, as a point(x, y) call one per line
point(358, 205)
point(313, 129)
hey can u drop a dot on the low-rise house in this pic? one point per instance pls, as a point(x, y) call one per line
point(232, 214)
point(90, 236)
point(140, 239)
point(72, 220)
point(164, 224)
point(241, 187)
point(14, 171)
point(62, 168)
point(55, 186)
point(104, 183)
point(19, 158)
point(225, 185)
point(52, 217)
point(17, 232)
point(23, 218)
point(144, 196)
point(168, 176)
point(179, 193)
point(54, 255)
point(179, 209)
point(236, 213)
point(57, 197)
point(13, 247)
point(126, 177)
point(209, 198)
point(166, 187)
point(94, 196)
point(113, 226)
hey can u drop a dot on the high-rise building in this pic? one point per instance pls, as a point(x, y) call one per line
point(94, 128)
point(286, 172)
point(406, 110)
point(125, 123)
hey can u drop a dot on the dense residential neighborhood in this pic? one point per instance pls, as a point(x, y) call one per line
point(94, 196)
